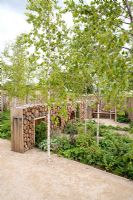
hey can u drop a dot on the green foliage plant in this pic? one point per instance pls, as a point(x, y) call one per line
point(40, 133)
point(5, 126)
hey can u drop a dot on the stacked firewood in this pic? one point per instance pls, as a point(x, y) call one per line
point(82, 110)
point(29, 114)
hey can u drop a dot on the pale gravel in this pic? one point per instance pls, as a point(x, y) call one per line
point(29, 176)
point(111, 122)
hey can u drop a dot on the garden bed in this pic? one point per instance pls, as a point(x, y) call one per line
point(114, 152)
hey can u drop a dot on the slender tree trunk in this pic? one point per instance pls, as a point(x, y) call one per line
point(49, 108)
point(15, 102)
point(1, 101)
point(86, 117)
point(48, 128)
point(129, 10)
point(85, 126)
point(98, 122)
point(110, 115)
point(115, 114)
point(26, 99)
point(15, 99)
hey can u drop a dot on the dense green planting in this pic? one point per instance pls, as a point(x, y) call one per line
point(114, 153)
point(40, 133)
point(131, 128)
point(123, 119)
point(71, 128)
point(5, 130)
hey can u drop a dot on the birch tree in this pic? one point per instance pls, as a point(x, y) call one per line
point(99, 46)
point(48, 37)
point(17, 71)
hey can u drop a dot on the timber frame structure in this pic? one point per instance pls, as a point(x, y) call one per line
point(23, 120)
point(23, 124)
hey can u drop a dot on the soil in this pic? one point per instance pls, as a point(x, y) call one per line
point(30, 176)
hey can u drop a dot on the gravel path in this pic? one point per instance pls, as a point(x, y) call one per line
point(111, 122)
point(30, 177)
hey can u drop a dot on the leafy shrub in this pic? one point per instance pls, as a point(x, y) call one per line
point(42, 145)
point(131, 128)
point(114, 152)
point(84, 140)
point(125, 129)
point(131, 131)
point(115, 149)
point(40, 133)
point(131, 124)
point(70, 128)
point(5, 126)
point(122, 119)
point(63, 144)
point(58, 144)
point(77, 111)
point(54, 145)
point(92, 127)
point(117, 128)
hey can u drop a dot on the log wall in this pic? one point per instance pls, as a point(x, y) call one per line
point(130, 108)
point(23, 124)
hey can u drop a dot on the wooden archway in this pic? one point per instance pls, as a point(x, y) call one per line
point(23, 125)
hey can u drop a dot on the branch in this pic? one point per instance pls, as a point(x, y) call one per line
point(126, 22)
point(127, 49)
point(129, 10)
point(119, 5)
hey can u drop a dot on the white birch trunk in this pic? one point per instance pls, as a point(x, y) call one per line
point(85, 126)
point(98, 123)
point(48, 128)
point(15, 102)
point(110, 115)
point(86, 117)
point(1, 101)
point(115, 114)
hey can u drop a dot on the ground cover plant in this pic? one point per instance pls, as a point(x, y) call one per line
point(131, 128)
point(5, 130)
point(123, 119)
point(114, 152)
